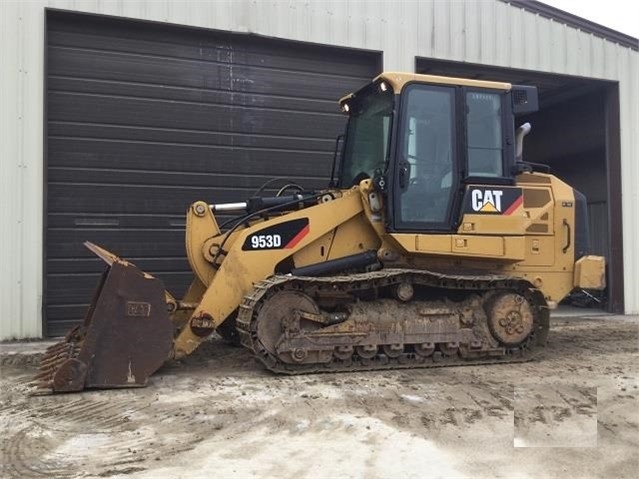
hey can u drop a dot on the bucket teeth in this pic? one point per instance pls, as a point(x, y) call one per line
point(53, 358)
point(57, 346)
point(47, 360)
point(57, 351)
point(42, 383)
point(46, 375)
point(50, 368)
point(45, 364)
point(47, 369)
point(63, 350)
point(48, 384)
point(52, 364)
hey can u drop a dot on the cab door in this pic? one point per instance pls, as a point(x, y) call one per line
point(426, 177)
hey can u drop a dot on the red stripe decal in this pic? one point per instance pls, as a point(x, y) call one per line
point(298, 237)
point(514, 206)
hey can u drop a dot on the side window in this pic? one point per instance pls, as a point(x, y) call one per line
point(368, 137)
point(484, 135)
point(427, 156)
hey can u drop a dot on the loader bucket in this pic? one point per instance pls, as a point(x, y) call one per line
point(126, 335)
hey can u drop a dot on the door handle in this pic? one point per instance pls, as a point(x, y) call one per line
point(569, 236)
point(404, 174)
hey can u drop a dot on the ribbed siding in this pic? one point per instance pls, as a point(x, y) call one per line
point(628, 65)
point(490, 32)
point(11, 177)
point(21, 192)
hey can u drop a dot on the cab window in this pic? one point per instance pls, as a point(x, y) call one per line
point(484, 134)
point(427, 157)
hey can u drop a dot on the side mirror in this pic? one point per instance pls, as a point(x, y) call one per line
point(379, 181)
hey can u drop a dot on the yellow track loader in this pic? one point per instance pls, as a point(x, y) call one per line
point(435, 243)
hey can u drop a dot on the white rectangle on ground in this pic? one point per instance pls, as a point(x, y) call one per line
point(556, 416)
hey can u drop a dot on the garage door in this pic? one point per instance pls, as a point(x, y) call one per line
point(144, 118)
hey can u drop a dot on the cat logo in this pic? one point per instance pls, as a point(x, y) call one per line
point(486, 201)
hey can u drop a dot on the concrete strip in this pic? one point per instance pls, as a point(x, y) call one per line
point(24, 353)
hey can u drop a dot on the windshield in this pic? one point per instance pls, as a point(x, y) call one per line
point(367, 136)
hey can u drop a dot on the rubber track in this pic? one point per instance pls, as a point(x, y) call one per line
point(251, 304)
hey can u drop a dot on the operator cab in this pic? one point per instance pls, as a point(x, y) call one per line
point(429, 138)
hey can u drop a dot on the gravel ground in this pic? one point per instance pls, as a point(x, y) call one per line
point(572, 413)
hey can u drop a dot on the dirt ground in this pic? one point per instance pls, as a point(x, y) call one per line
point(573, 413)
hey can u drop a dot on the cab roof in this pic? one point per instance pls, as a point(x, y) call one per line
point(397, 80)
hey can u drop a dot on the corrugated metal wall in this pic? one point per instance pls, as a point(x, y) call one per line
point(21, 167)
point(490, 32)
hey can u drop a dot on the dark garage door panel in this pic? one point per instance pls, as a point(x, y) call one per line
point(155, 156)
point(143, 119)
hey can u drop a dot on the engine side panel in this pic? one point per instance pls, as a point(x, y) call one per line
point(526, 231)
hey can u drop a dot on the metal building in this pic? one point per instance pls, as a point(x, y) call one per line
point(116, 115)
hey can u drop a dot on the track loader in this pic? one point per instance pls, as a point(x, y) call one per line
point(434, 244)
